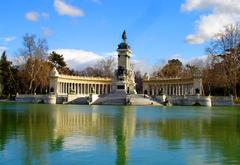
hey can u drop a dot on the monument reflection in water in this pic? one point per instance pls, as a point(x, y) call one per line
point(51, 134)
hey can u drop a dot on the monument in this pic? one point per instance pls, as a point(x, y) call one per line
point(123, 81)
point(123, 90)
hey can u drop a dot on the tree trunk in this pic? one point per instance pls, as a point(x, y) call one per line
point(30, 86)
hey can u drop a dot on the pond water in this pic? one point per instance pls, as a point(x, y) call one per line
point(77, 134)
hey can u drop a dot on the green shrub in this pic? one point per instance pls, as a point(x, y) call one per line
point(237, 100)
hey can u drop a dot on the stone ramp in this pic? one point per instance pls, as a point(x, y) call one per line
point(79, 100)
point(142, 100)
point(112, 99)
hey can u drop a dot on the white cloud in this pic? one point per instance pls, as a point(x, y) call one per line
point(3, 48)
point(46, 32)
point(97, 1)
point(32, 16)
point(142, 66)
point(220, 14)
point(64, 9)
point(115, 53)
point(35, 16)
point(45, 15)
point(9, 39)
point(78, 59)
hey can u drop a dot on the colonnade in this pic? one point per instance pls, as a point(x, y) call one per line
point(169, 89)
point(83, 88)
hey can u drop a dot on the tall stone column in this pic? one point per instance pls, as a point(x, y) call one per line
point(182, 91)
point(83, 88)
point(99, 92)
point(80, 88)
point(87, 88)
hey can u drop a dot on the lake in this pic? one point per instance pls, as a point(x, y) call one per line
point(79, 134)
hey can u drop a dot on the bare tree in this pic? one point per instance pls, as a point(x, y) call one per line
point(35, 55)
point(106, 66)
point(225, 49)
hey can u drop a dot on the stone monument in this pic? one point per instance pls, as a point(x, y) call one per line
point(123, 81)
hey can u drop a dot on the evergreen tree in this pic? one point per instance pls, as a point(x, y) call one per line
point(7, 79)
point(57, 60)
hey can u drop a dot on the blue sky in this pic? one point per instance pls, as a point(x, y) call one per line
point(85, 30)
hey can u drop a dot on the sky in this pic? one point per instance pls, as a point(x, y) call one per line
point(87, 30)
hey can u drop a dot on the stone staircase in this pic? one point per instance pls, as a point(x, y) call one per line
point(79, 100)
point(123, 99)
point(140, 99)
point(112, 99)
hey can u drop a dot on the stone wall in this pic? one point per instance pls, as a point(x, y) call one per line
point(190, 100)
point(201, 100)
point(47, 99)
point(222, 100)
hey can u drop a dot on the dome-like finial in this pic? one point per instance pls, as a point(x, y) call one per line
point(54, 72)
point(124, 36)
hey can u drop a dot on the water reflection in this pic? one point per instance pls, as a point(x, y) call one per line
point(40, 131)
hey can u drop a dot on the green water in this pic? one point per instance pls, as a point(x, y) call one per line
point(76, 134)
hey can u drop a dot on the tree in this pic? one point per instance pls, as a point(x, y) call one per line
point(57, 60)
point(106, 66)
point(35, 55)
point(7, 77)
point(102, 68)
point(173, 68)
point(90, 71)
point(138, 81)
point(225, 50)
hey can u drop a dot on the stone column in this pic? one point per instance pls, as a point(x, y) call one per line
point(183, 93)
point(76, 88)
point(176, 89)
point(173, 90)
point(102, 91)
point(79, 88)
point(104, 88)
point(69, 87)
point(167, 89)
point(99, 92)
point(87, 89)
point(170, 90)
point(192, 90)
point(62, 88)
point(83, 88)
point(66, 88)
